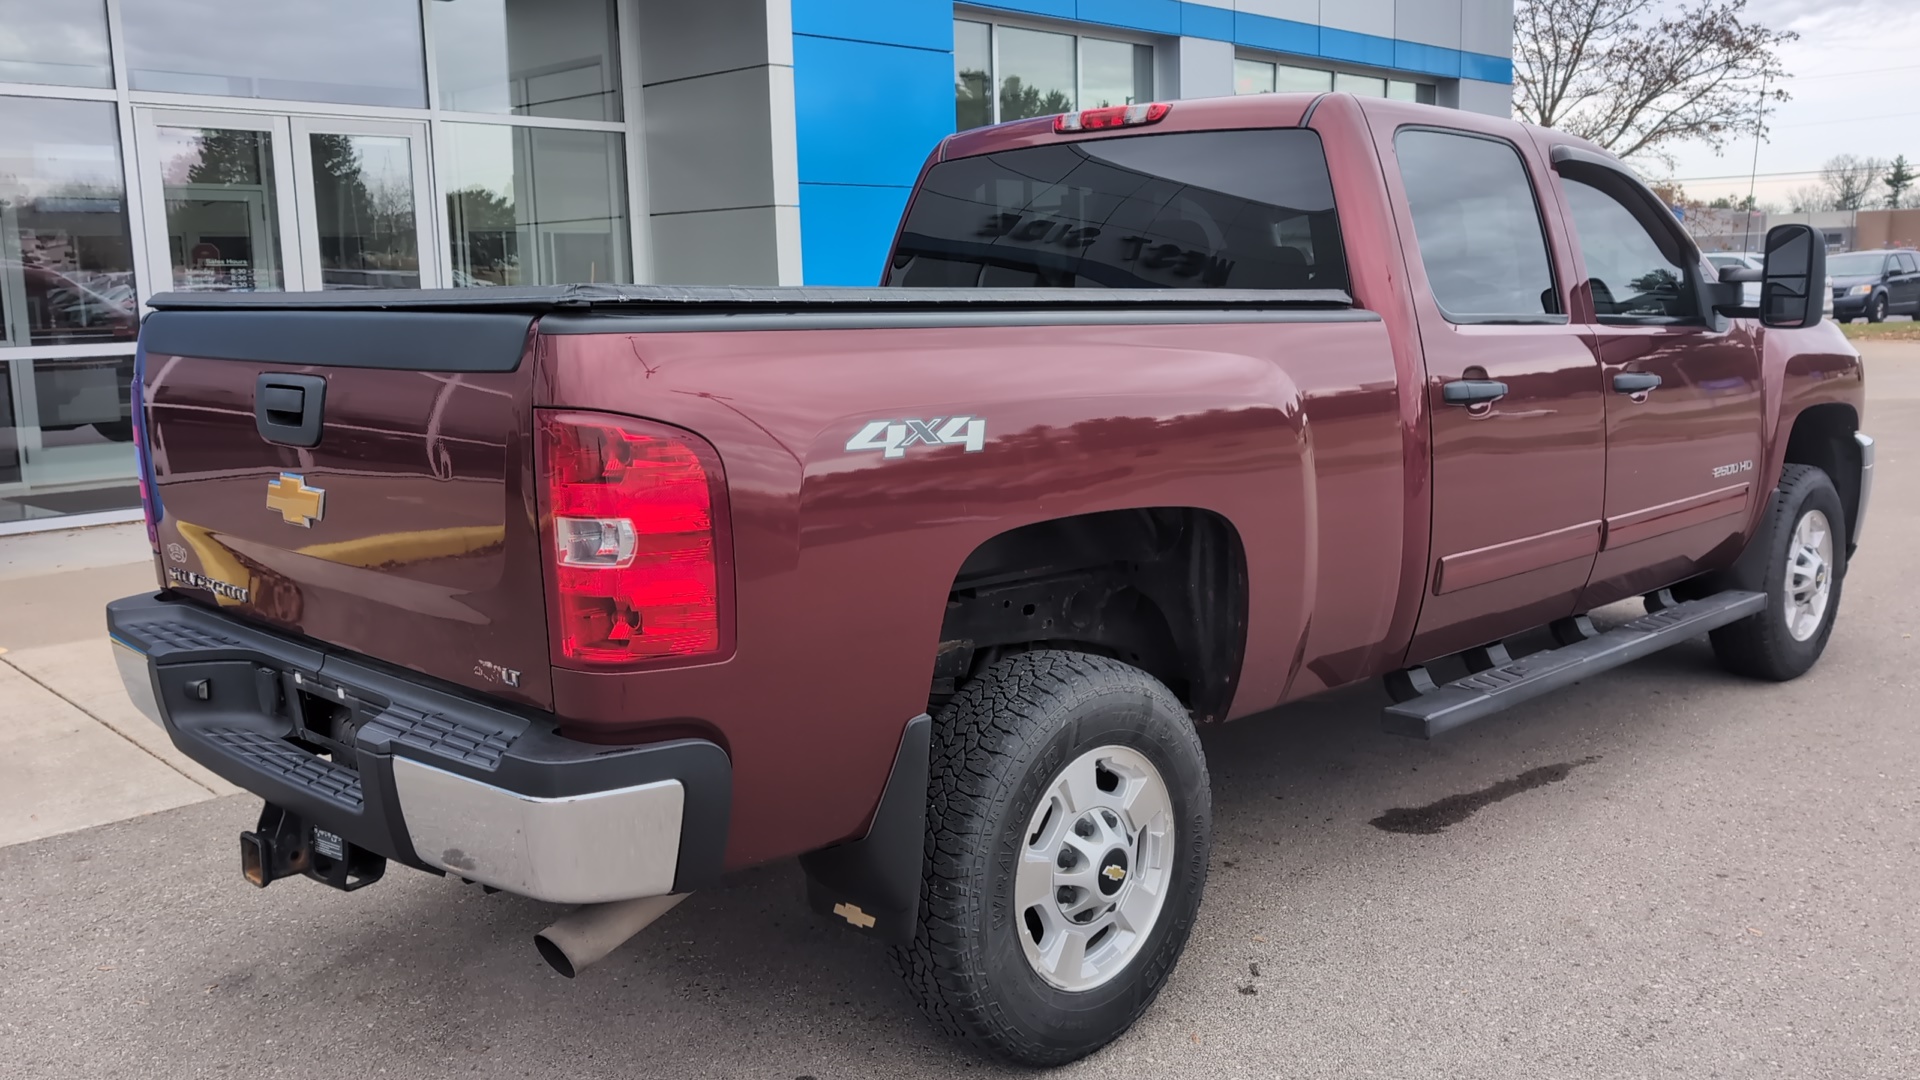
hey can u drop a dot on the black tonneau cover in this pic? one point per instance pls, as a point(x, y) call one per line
point(730, 299)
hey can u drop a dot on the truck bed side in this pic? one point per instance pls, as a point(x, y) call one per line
point(1285, 424)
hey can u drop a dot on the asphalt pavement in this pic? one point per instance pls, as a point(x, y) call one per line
point(1664, 871)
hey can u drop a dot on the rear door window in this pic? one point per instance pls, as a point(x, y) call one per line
point(1477, 226)
point(1214, 209)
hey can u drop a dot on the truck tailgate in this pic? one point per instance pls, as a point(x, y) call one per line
point(405, 531)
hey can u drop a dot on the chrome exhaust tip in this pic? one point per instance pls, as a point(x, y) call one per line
point(584, 936)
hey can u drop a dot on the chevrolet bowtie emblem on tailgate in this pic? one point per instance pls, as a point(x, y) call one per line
point(894, 436)
point(297, 503)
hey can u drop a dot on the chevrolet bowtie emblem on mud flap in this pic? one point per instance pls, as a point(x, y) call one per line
point(894, 436)
point(297, 503)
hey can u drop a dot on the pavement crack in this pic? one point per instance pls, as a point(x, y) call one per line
point(1437, 816)
point(84, 711)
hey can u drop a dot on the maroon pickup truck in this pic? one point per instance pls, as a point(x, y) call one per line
point(1163, 416)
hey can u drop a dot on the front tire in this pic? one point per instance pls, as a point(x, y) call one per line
point(1877, 309)
point(1068, 831)
point(1799, 559)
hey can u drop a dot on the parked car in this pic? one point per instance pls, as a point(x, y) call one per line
point(1875, 284)
point(593, 593)
point(1756, 262)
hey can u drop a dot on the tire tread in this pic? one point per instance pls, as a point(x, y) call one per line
point(980, 739)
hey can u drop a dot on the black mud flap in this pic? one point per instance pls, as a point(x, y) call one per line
point(873, 884)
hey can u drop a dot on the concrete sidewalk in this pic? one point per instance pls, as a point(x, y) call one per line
point(74, 753)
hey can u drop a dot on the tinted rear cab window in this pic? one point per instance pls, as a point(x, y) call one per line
point(1212, 209)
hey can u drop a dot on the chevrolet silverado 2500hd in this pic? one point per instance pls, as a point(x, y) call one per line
point(1164, 415)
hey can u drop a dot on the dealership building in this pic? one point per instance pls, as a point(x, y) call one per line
point(157, 145)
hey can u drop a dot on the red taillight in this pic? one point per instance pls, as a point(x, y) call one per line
point(1113, 116)
point(634, 532)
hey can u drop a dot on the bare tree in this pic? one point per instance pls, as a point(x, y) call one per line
point(1627, 76)
point(1808, 199)
point(1849, 180)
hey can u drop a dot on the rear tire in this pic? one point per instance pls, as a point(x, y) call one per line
point(1068, 801)
point(1799, 558)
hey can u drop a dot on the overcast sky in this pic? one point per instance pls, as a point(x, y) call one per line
point(1853, 78)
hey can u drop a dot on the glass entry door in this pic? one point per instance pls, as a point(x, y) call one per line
point(249, 203)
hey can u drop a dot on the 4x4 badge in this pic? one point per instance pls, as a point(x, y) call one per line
point(892, 437)
point(296, 503)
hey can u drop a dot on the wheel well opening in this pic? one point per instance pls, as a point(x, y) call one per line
point(1822, 437)
point(1163, 589)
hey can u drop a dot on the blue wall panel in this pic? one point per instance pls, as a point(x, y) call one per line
point(1054, 9)
point(847, 230)
point(1430, 59)
point(1151, 16)
point(1356, 48)
point(1280, 35)
point(1486, 68)
point(866, 113)
point(1206, 21)
point(917, 23)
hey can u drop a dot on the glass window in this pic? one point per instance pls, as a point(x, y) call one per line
point(363, 203)
point(354, 52)
point(1036, 73)
point(1217, 209)
point(972, 74)
point(1363, 85)
point(1857, 264)
point(1400, 90)
point(62, 43)
point(1114, 73)
point(1632, 279)
point(536, 206)
point(66, 433)
point(528, 57)
point(1477, 226)
point(1252, 77)
point(1261, 77)
point(66, 252)
point(1907, 264)
point(1289, 80)
point(223, 209)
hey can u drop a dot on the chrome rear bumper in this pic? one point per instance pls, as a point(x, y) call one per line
point(418, 774)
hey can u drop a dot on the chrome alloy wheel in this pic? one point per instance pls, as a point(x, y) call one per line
point(1809, 574)
point(1096, 868)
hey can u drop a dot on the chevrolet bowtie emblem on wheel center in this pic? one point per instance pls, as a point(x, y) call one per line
point(1115, 872)
point(297, 503)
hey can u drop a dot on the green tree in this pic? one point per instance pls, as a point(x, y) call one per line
point(972, 107)
point(1019, 101)
point(229, 156)
point(1900, 176)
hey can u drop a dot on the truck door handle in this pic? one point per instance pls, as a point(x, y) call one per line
point(1472, 391)
point(1635, 382)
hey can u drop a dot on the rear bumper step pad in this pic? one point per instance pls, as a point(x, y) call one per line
point(1484, 693)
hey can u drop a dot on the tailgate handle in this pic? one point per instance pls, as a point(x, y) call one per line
point(287, 409)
